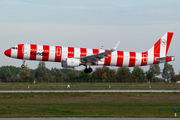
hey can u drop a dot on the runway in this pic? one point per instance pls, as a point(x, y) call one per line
point(82, 91)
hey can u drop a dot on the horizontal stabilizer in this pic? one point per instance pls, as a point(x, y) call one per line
point(163, 58)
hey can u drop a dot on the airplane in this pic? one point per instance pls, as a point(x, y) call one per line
point(73, 57)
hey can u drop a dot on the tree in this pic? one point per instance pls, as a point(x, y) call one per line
point(138, 72)
point(73, 75)
point(149, 75)
point(154, 70)
point(97, 74)
point(112, 75)
point(123, 73)
point(31, 75)
point(107, 70)
point(41, 72)
point(132, 78)
point(56, 73)
point(104, 77)
point(168, 68)
point(65, 71)
point(84, 76)
point(14, 70)
point(177, 77)
point(8, 74)
point(24, 74)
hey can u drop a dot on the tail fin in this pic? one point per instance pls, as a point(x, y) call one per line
point(161, 47)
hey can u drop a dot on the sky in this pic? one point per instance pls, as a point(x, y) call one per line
point(138, 24)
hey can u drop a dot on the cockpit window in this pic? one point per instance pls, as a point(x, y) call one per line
point(13, 48)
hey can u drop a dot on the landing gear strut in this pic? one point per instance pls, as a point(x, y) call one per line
point(23, 65)
point(88, 70)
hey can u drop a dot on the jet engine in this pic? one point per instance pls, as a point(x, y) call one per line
point(71, 62)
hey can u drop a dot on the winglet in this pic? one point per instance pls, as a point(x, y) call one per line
point(115, 47)
point(101, 47)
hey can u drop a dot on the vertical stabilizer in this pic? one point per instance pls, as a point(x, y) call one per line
point(161, 47)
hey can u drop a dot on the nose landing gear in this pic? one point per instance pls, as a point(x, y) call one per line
point(23, 65)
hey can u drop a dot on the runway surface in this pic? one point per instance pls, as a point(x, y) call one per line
point(89, 118)
point(47, 91)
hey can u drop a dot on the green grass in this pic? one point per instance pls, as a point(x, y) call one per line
point(89, 109)
point(89, 104)
point(89, 86)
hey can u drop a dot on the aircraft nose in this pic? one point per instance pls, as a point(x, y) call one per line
point(8, 52)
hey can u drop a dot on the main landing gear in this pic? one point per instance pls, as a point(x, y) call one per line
point(88, 70)
point(23, 65)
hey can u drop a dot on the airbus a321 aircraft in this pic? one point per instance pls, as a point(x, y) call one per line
point(74, 57)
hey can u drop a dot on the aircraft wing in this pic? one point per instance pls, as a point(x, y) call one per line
point(97, 57)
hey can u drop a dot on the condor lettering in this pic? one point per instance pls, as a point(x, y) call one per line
point(38, 53)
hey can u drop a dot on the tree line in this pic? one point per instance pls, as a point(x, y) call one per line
point(100, 74)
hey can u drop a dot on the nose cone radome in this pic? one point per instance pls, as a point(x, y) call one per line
point(8, 52)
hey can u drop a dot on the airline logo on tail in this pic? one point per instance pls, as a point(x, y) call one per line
point(74, 57)
point(163, 42)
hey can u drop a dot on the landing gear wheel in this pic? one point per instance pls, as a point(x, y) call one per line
point(89, 70)
point(23, 65)
point(86, 70)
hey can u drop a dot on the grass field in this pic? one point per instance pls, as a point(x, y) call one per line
point(89, 104)
point(89, 86)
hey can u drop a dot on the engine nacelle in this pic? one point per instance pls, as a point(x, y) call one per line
point(71, 62)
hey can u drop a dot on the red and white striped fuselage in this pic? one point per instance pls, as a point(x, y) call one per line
point(115, 58)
